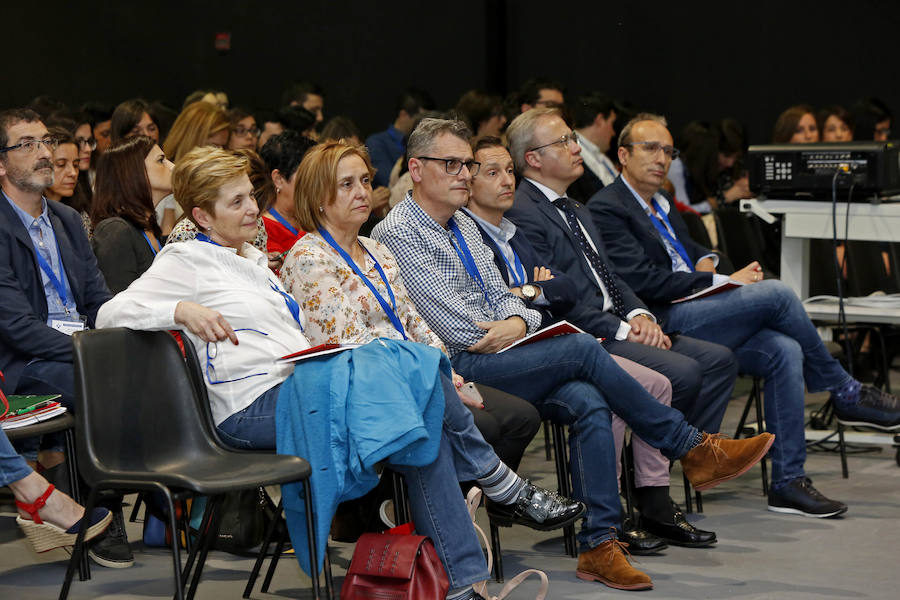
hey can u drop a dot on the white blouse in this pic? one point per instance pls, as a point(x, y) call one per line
point(237, 285)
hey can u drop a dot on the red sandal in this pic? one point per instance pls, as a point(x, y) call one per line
point(45, 536)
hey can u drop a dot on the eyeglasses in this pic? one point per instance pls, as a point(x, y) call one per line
point(212, 350)
point(89, 142)
point(654, 147)
point(564, 140)
point(30, 146)
point(454, 165)
point(242, 131)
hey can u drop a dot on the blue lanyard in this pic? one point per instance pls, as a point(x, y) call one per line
point(292, 305)
point(275, 214)
point(664, 231)
point(57, 282)
point(466, 257)
point(152, 249)
point(519, 277)
point(390, 311)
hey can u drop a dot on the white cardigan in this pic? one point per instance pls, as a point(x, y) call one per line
point(238, 285)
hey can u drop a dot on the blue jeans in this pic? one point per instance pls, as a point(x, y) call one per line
point(12, 466)
point(572, 380)
point(772, 337)
point(438, 508)
point(46, 377)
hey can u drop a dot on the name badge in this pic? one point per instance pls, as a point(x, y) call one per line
point(67, 327)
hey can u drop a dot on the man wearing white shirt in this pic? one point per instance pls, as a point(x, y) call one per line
point(595, 118)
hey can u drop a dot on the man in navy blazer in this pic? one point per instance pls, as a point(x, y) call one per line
point(763, 322)
point(547, 156)
point(50, 285)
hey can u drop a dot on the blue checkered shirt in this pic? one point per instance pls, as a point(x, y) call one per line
point(448, 298)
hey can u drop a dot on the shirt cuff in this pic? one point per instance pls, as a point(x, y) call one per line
point(719, 278)
point(623, 331)
point(712, 255)
point(640, 311)
point(542, 299)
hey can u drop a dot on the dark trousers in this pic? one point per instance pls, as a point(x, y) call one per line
point(507, 423)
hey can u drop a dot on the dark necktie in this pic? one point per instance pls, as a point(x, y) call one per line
point(593, 258)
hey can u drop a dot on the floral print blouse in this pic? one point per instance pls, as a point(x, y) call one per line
point(339, 307)
point(185, 230)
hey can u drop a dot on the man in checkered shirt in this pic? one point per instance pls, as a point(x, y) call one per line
point(453, 281)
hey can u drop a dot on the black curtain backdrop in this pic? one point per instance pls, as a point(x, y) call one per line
point(688, 60)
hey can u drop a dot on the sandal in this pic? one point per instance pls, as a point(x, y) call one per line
point(45, 536)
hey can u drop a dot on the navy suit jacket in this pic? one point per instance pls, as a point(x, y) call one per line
point(23, 306)
point(554, 242)
point(637, 248)
point(560, 291)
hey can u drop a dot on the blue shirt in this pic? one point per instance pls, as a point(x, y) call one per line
point(445, 294)
point(385, 148)
point(43, 238)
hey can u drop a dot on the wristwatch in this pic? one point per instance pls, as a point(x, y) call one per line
point(529, 291)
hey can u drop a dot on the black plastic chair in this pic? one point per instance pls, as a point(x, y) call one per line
point(139, 428)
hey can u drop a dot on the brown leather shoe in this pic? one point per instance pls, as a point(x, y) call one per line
point(719, 459)
point(608, 564)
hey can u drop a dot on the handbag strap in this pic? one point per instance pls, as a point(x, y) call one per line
point(473, 500)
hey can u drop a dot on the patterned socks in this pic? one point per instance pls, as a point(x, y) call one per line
point(846, 394)
point(502, 484)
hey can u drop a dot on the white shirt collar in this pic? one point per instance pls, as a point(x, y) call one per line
point(660, 199)
point(550, 194)
point(504, 233)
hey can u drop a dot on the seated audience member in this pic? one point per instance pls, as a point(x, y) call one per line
point(100, 117)
point(41, 308)
point(401, 181)
point(46, 106)
point(220, 290)
point(482, 112)
point(873, 120)
point(595, 117)
point(341, 128)
point(796, 125)
point(214, 97)
point(703, 173)
point(269, 125)
point(87, 144)
point(763, 322)
point(389, 146)
point(323, 271)
point(491, 195)
point(307, 95)
point(133, 176)
point(65, 165)
point(282, 155)
point(244, 132)
point(450, 276)
point(133, 117)
point(562, 233)
point(835, 124)
point(49, 518)
point(185, 229)
point(541, 93)
point(297, 118)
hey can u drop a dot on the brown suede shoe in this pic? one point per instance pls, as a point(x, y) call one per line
point(608, 564)
point(719, 459)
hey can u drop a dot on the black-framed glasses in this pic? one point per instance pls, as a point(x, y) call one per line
point(242, 131)
point(564, 141)
point(89, 142)
point(212, 350)
point(31, 146)
point(453, 166)
point(654, 147)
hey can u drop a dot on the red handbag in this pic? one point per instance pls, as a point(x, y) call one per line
point(395, 567)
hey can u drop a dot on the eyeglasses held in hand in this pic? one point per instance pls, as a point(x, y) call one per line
point(564, 141)
point(454, 165)
point(212, 350)
point(30, 146)
point(654, 147)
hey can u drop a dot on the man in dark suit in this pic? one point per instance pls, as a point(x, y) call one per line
point(547, 155)
point(763, 322)
point(554, 294)
point(595, 118)
point(50, 285)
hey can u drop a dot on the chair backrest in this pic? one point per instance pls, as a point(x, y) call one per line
point(742, 239)
point(136, 406)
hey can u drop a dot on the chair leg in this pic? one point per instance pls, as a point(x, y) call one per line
point(627, 482)
point(760, 427)
point(78, 550)
point(688, 500)
point(211, 534)
point(270, 572)
point(547, 445)
point(311, 537)
point(842, 446)
point(496, 553)
point(264, 549)
point(564, 480)
point(401, 506)
point(137, 507)
point(84, 567)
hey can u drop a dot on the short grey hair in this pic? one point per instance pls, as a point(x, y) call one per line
point(625, 134)
point(428, 130)
point(520, 133)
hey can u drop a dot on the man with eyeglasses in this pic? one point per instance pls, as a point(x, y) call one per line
point(451, 277)
point(50, 286)
point(763, 322)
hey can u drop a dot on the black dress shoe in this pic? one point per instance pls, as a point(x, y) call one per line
point(640, 542)
point(679, 532)
point(537, 508)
